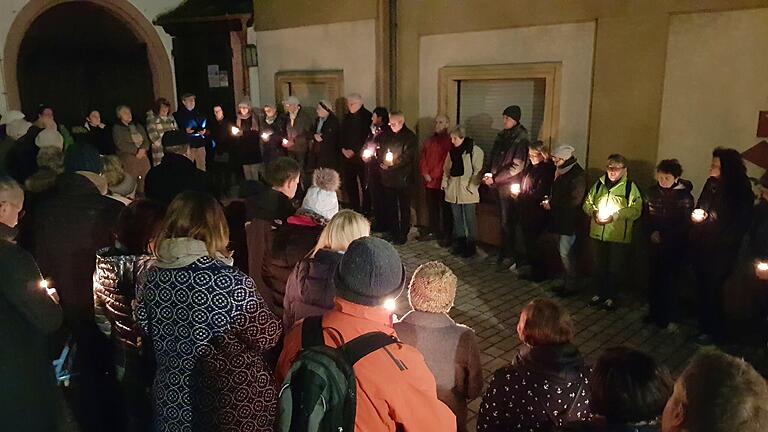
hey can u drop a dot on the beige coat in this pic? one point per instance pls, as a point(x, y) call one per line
point(463, 190)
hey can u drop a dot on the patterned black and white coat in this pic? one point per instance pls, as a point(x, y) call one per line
point(209, 327)
point(544, 388)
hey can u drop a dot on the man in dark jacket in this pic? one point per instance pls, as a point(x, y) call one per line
point(564, 205)
point(503, 170)
point(398, 149)
point(354, 131)
point(298, 130)
point(535, 186)
point(177, 172)
point(28, 313)
point(194, 124)
point(668, 207)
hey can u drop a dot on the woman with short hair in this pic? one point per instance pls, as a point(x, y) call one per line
point(159, 121)
point(132, 144)
point(208, 325)
point(546, 385)
point(309, 290)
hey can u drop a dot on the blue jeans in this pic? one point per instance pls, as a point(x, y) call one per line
point(464, 221)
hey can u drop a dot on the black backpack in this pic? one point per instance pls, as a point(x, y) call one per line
point(319, 392)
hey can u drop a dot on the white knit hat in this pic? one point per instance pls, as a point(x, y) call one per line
point(563, 152)
point(49, 138)
point(17, 128)
point(321, 198)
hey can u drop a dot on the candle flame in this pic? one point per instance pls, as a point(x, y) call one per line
point(285, 141)
point(515, 188)
point(265, 136)
point(762, 266)
point(606, 210)
point(699, 215)
point(389, 157)
point(44, 284)
point(367, 153)
point(235, 130)
point(390, 304)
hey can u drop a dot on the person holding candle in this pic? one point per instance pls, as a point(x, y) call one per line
point(354, 130)
point(433, 156)
point(726, 202)
point(397, 155)
point(373, 195)
point(298, 131)
point(503, 169)
point(614, 203)
point(757, 247)
point(668, 207)
point(461, 179)
point(272, 127)
point(247, 141)
point(194, 124)
point(564, 204)
point(324, 148)
point(28, 314)
point(535, 186)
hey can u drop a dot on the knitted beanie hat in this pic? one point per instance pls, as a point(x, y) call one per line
point(432, 288)
point(82, 156)
point(513, 111)
point(370, 271)
point(563, 152)
point(321, 198)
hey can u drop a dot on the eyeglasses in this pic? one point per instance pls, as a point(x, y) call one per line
point(614, 168)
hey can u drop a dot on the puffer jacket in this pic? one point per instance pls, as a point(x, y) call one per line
point(549, 383)
point(508, 156)
point(114, 290)
point(463, 190)
point(668, 211)
point(566, 198)
point(310, 289)
point(627, 207)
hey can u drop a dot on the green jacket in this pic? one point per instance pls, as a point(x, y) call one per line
point(626, 207)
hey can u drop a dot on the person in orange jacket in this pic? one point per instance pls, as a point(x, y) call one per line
point(395, 388)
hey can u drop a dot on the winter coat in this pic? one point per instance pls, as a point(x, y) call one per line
point(222, 139)
point(566, 198)
point(6, 144)
point(208, 338)
point(127, 148)
point(404, 147)
point(29, 399)
point(299, 132)
point(114, 290)
point(395, 389)
point(668, 212)
point(729, 219)
point(326, 153)
point(186, 119)
point(354, 130)
point(289, 244)
point(69, 227)
point(246, 147)
point(508, 156)
point(545, 387)
point(101, 138)
point(272, 148)
point(452, 355)
point(21, 159)
point(758, 231)
point(157, 126)
point(535, 186)
point(175, 174)
point(464, 189)
point(627, 207)
point(433, 153)
point(310, 289)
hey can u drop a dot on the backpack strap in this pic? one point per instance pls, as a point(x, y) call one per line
point(363, 345)
point(312, 332)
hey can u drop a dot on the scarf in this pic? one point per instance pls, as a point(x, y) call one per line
point(249, 117)
point(183, 251)
point(320, 123)
point(457, 158)
point(567, 166)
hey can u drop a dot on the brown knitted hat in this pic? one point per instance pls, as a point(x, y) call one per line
point(432, 288)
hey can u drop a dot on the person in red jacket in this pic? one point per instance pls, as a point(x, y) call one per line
point(433, 154)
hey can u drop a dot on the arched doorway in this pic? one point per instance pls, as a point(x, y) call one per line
point(73, 54)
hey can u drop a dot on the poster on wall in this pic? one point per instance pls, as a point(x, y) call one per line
point(213, 76)
point(223, 79)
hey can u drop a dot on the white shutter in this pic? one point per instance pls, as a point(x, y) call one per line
point(481, 103)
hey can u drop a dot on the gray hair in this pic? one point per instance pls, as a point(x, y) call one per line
point(120, 108)
point(354, 97)
point(9, 185)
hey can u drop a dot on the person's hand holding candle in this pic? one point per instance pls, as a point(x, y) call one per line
point(761, 270)
point(515, 189)
point(265, 136)
point(699, 215)
point(235, 130)
point(389, 158)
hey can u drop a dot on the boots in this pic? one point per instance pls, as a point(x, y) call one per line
point(469, 250)
point(459, 246)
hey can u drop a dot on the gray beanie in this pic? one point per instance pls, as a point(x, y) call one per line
point(369, 272)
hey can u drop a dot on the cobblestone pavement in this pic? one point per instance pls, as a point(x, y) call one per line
point(490, 303)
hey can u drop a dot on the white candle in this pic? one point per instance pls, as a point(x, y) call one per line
point(367, 153)
point(285, 141)
point(487, 175)
point(390, 304)
point(605, 211)
point(265, 136)
point(699, 215)
point(44, 284)
point(762, 266)
point(235, 130)
point(389, 158)
point(515, 188)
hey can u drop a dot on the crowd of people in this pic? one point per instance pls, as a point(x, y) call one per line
point(188, 274)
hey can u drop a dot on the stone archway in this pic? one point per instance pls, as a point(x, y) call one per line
point(160, 64)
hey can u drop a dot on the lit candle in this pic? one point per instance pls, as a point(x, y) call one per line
point(235, 130)
point(285, 142)
point(367, 153)
point(699, 215)
point(605, 212)
point(46, 286)
point(545, 201)
point(389, 158)
point(762, 266)
point(515, 188)
point(390, 304)
point(265, 136)
point(487, 175)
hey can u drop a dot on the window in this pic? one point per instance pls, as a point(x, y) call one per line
point(311, 86)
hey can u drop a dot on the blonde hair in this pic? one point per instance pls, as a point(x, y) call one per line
point(344, 228)
point(113, 170)
point(459, 131)
point(199, 216)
